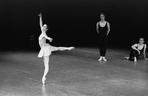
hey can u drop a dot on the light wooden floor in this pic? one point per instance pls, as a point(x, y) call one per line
point(73, 73)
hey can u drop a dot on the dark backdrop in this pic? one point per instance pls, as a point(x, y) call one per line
point(71, 22)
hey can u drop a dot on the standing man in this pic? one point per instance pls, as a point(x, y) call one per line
point(103, 29)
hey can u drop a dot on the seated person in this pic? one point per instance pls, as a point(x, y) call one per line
point(137, 50)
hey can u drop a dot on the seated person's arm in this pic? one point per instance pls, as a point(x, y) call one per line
point(134, 47)
point(144, 51)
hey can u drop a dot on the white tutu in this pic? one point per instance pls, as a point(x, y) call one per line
point(46, 50)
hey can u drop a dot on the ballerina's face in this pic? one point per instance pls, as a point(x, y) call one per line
point(45, 27)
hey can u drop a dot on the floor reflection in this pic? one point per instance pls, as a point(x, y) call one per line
point(102, 62)
point(135, 63)
point(44, 90)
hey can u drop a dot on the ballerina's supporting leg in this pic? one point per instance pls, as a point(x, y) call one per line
point(46, 64)
point(46, 61)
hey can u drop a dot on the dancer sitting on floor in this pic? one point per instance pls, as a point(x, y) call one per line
point(46, 49)
point(137, 50)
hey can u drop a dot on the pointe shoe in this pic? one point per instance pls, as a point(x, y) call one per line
point(104, 59)
point(100, 58)
point(43, 80)
point(70, 48)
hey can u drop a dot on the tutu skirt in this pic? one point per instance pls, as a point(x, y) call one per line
point(46, 50)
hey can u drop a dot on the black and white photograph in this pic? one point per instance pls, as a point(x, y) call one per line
point(74, 48)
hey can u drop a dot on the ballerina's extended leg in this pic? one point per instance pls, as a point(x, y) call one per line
point(65, 48)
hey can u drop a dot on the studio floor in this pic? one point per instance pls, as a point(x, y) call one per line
point(73, 73)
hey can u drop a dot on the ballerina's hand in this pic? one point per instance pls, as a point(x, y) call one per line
point(50, 39)
point(40, 15)
point(145, 58)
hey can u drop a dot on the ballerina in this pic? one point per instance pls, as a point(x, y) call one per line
point(47, 49)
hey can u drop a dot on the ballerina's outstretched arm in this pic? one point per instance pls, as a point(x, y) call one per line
point(40, 21)
point(41, 26)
